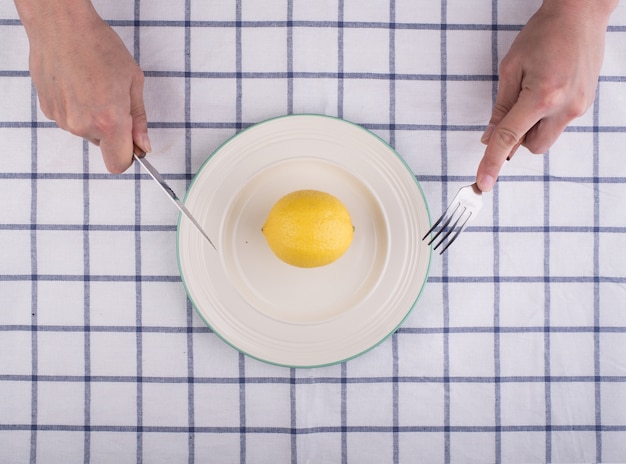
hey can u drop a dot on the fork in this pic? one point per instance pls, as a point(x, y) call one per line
point(464, 206)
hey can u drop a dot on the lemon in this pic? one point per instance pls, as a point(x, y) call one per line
point(308, 228)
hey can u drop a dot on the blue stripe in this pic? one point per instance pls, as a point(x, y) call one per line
point(444, 265)
point(339, 24)
point(34, 285)
point(191, 396)
point(238, 67)
point(433, 279)
point(290, 72)
point(238, 126)
point(312, 430)
point(340, 76)
point(138, 271)
point(87, 305)
point(292, 372)
point(596, 272)
point(421, 178)
point(342, 381)
point(344, 413)
point(340, 102)
point(546, 310)
point(395, 394)
point(340, 431)
point(402, 330)
point(495, 59)
point(368, 125)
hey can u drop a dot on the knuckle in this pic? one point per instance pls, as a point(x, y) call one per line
point(550, 99)
point(506, 68)
point(102, 123)
point(536, 148)
point(106, 121)
point(576, 108)
point(76, 125)
point(506, 137)
point(558, 96)
point(501, 108)
point(539, 139)
point(549, 92)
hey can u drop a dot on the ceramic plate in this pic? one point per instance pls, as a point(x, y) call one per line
point(280, 313)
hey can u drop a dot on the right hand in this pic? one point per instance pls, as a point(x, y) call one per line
point(548, 78)
point(88, 82)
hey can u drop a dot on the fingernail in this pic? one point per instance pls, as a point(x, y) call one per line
point(487, 134)
point(486, 182)
point(145, 143)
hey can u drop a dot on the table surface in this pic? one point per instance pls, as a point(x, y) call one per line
point(515, 352)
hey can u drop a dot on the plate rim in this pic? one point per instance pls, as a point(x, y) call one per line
point(217, 332)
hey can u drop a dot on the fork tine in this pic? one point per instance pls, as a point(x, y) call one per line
point(430, 231)
point(464, 206)
point(449, 229)
point(458, 232)
point(445, 218)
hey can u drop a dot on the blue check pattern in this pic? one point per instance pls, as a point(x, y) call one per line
point(515, 352)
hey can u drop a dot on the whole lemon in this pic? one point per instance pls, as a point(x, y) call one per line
point(308, 228)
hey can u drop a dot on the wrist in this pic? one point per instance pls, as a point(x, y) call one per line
point(44, 17)
point(596, 11)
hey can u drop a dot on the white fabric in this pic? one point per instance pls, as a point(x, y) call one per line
point(514, 353)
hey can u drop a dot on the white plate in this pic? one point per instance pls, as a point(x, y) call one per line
point(287, 315)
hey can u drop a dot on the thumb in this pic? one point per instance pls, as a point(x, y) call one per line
point(138, 115)
point(117, 147)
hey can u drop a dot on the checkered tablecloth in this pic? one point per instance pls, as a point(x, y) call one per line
point(516, 351)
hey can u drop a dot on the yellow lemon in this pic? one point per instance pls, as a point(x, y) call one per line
point(308, 228)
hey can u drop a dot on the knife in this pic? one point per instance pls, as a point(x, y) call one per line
point(139, 155)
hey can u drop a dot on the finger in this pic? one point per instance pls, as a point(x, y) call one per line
point(117, 147)
point(514, 149)
point(542, 136)
point(508, 93)
point(505, 139)
point(138, 115)
point(517, 145)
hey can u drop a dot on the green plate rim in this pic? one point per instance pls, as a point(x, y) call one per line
point(216, 332)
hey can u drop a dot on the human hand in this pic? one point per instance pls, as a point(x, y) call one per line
point(86, 79)
point(548, 78)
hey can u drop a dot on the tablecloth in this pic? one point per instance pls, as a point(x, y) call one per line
point(515, 352)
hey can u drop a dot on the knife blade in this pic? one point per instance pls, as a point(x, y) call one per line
point(167, 189)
